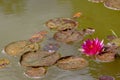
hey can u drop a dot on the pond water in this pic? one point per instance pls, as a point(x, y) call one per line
point(19, 19)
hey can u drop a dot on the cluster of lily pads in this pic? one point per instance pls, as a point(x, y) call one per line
point(111, 4)
point(35, 60)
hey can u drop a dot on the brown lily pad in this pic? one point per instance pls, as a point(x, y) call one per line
point(4, 62)
point(71, 63)
point(61, 23)
point(72, 35)
point(87, 31)
point(96, 1)
point(35, 72)
point(39, 58)
point(106, 78)
point(112, 4)
point(111, 37)
point(106, 57)
point(115, 42)
point(20, 47)
point(68, 36)
point(38, 37)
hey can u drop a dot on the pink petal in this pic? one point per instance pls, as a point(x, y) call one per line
point(92, 47)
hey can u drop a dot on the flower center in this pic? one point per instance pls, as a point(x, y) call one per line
point(91, 46)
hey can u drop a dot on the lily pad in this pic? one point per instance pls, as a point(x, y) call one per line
point(113, 46)
point(68, 36)
point(4, 62)
point(20, 47)
point(115, 42)
point(111, 37)
point(39, 58)
point(61, 23)
point(106, 78)
point(96, 1)
point(72, 35)
point(106, 57)
point(35, 72)
point(71, 63)
point(112, 4)
point(15, 48)
point(87, 31)
point(38, 37)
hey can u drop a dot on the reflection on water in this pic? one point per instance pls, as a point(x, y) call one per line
point(12, 6)
point(35, 13)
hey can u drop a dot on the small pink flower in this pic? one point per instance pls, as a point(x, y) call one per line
point(92, 47)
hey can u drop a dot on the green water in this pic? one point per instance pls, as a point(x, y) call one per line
point(19, 19)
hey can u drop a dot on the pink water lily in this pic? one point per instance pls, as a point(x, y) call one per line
point(92, 47)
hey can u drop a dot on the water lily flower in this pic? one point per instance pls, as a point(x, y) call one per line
point(92, 47)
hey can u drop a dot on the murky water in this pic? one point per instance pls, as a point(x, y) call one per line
point(19, 19)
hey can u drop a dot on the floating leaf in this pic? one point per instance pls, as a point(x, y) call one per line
point(111, 37)
point(61, 23)
point(106, 78)
point(96, 1)
point(88, 31)
point(38, 37)
point(112, 4)
point(106, 56)
point(20, 47)
point(39, 58)
point(68, 36)
point(71, 62)
point(4, 62)
point(115, 42)
point(37, 72)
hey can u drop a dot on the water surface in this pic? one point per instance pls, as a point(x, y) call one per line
point(19, 19)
